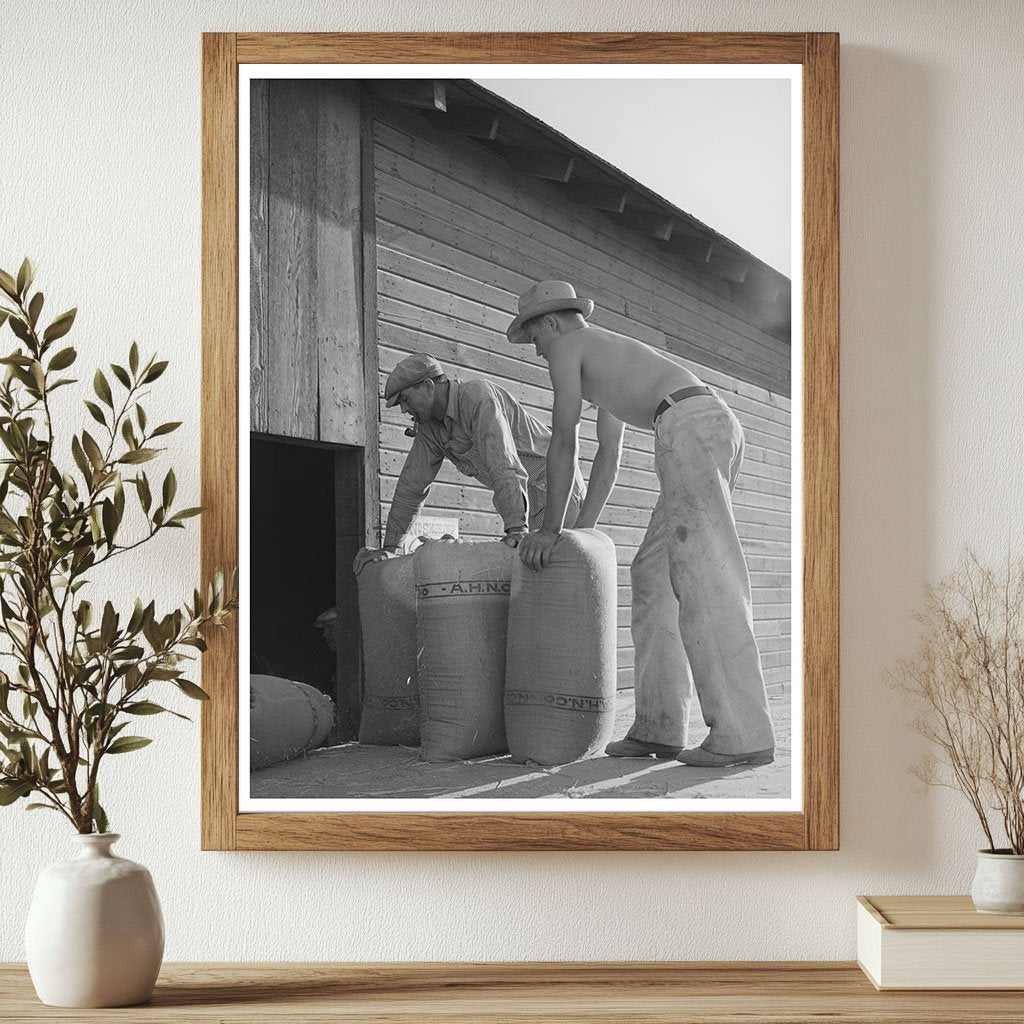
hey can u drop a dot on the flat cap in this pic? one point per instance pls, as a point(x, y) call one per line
point(410, 370)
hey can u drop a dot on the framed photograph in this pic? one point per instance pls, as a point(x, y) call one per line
point(521, 420)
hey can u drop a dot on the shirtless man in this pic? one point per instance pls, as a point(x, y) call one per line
point(692, 620)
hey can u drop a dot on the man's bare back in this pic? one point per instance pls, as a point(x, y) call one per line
point(620, 374)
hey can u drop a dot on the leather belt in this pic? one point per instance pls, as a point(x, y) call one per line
point(678, 396)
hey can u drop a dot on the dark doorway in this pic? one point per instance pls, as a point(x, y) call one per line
point(305, 529)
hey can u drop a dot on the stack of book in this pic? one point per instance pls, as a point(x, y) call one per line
point(938, 942)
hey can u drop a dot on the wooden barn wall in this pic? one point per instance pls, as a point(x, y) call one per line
point(306, 261)
point(460, 235)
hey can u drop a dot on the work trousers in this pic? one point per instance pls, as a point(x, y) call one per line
point(693, 626)
point(538, 501)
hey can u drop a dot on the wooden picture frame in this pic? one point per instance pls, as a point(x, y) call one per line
point(816, 826)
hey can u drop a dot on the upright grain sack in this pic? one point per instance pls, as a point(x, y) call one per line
point(387, 618)
point(560, 673)
point(286, 719)
point(462, 591)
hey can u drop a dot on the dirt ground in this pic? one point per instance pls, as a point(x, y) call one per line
point(353, 770)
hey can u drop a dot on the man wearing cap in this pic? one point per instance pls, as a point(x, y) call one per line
point(488, 436)
point(692, 619)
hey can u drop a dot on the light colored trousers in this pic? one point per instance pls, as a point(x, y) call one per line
point(538, 501)
point(693, 626)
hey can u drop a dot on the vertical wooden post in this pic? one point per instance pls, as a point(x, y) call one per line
point(219, 430)
point(371, 449)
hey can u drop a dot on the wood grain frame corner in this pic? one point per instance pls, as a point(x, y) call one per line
point(817, 827)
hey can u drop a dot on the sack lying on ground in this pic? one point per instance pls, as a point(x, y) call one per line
point(286, 719)
point(560, 674)
point(387, 617)
point(462, 591)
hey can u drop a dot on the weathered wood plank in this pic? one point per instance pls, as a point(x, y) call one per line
point(492, 264)
point(372, 535)
point(421, 210)
point(339, 263)
point(259, 250)
point(291, 381)
point(439, 297)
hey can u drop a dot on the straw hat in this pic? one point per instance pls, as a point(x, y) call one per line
point(546, 297)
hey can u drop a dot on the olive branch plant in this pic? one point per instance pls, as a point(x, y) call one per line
point(966, 681)
point(80, 674)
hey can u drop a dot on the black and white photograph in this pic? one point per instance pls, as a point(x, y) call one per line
point(520, 505)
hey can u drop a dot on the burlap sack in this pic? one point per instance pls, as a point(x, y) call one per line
point(387, 618)
point(286, 719)
point(462, 591)
point(561, 672)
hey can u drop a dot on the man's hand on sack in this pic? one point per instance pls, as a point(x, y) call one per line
point(535, 548)
point(368, 555)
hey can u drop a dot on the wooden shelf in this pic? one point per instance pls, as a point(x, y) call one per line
point(630, 993)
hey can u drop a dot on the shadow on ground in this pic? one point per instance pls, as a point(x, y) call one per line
point(355, 771)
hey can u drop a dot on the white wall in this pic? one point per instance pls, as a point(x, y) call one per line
point(99, 167)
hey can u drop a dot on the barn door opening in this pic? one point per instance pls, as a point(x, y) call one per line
point(306, 526)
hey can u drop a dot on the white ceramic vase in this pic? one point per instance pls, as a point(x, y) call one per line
point(999, 883)
point(95, 933)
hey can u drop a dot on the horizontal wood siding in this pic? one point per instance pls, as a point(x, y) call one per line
point(460, 235)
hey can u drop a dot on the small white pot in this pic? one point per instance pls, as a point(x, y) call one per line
point(95, 933)
point(999, 882)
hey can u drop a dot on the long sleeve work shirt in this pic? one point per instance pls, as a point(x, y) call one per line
point(490, 437)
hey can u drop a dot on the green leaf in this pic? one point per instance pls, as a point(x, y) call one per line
point(119, 499)
point(108, 626)
point(26, 274)
point(191, 690)
point(170, 488)
point(165, 428)
point(60, 326)
point(139, 455)
point(92, 449)
point(79, 456)
point(96, 412)
point(41, 807)
point(14, 790)
point(20, 328)
point(125, 744)
point(131, 653)
point(133, 358)
point(8, 284)
point(121, 374)
point(99, 816)
point(63, 359)
point(102, 388)
point(154, 372)
point(140, 415)
point(17, 359)
point(144, 707)
point(34, 308)
point(109, 521)
point(145, 497)
point(4, 314)
point(128, 433)
point(185, 513)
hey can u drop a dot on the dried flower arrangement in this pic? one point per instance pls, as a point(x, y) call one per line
point(967, 682)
